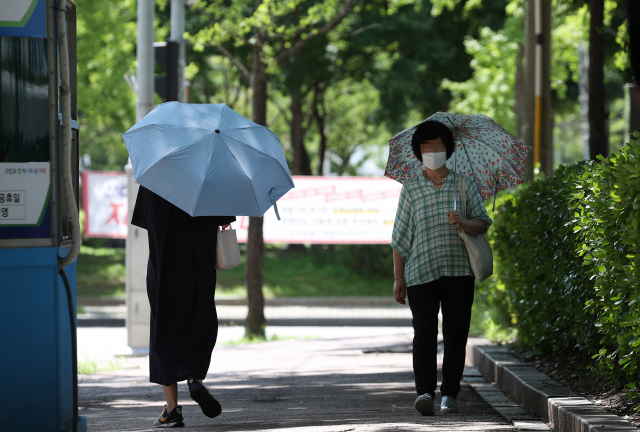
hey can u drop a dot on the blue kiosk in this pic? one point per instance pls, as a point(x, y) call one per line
point(39, 228)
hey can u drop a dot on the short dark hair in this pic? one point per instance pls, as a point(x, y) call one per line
point(431, 130)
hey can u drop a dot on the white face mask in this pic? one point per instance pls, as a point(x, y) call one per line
point(434, 160)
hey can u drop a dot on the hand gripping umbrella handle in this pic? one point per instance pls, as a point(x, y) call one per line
point(273, 201)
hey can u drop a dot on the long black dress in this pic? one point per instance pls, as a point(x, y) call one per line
point(181, 282)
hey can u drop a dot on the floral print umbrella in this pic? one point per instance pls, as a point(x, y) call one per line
point(485, 151)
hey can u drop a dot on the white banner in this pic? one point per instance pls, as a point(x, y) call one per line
point(24, 192)
point(104, 199)
point(324, 210)
point(331, 210)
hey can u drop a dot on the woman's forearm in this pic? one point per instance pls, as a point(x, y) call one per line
point(398, 265)
point(476, 226)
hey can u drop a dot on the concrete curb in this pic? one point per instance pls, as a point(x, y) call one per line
point(284, 322)
point(100, 322)
point(540, 394)
point(279, 301)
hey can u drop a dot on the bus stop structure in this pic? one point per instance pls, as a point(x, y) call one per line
point(39, 229)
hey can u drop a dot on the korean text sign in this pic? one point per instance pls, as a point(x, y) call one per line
point(331, 210)
point(24, 193)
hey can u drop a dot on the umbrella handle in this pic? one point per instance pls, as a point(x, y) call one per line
point(273, 201)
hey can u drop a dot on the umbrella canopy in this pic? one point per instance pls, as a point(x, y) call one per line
point(484, 151)
point(208, 160)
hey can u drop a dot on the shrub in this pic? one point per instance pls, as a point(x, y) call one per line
point(498, 319)
point(606, 204)
point(534, 250)
point(566, 254)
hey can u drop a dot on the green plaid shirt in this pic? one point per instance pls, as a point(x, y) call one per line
point(430, 246)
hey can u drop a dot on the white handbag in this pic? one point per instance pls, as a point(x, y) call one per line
point(478, 248)
point(227, 250)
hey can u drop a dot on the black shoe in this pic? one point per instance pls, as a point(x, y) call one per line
point(173, 419)
point(199, 393)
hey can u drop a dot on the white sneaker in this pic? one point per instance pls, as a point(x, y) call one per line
point(424, 404)
point(449, 405)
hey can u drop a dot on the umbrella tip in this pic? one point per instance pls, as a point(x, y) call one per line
point(217, 130)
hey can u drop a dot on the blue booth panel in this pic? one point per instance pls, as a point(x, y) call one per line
point(36, 341)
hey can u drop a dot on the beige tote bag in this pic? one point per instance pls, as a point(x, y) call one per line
point(227, 250)
point(478, 248)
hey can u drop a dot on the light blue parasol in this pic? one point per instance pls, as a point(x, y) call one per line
point(208, 160)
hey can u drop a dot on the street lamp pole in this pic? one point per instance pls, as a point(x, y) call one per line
point(177, 35)
point(537, 137)
point(145, 57)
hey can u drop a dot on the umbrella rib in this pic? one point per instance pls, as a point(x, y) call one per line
point(236, 159)
point(511, 165)
point(260, 151)
point(288, 175)
point(448, 118)
point(495, 171)
point(500, 151)
point(251, 127)
point(206, 168)
point(174, 150)
point(484, 160)
point(469, 159)
point(224, 108)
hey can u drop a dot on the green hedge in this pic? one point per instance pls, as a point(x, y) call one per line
point(534, 244)
point(566, 252)
point(607, 207)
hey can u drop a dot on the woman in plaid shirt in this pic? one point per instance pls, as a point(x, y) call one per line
point(431, 264)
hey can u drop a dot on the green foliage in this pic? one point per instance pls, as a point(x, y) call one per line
point(349, 110)
point(415, 51)
point(491, 90)
point(497, 53)
point(93, 366)
point(106, 104)
point(566, 254)
point(338, 270)
point(534, 245)
point(606, 202)
point(492, 314)
point(101, 271)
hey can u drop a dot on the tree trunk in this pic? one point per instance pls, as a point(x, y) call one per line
point(519, 90)
point(301, 164)
point(546, 129)
point(255, 322)
point(528, 109)
point(597, 130)
point(633, 25)
point(319, 112)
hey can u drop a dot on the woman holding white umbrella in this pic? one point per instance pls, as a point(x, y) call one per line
point(431, 263)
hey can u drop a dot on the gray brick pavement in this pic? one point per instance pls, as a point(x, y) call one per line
point(295, 385)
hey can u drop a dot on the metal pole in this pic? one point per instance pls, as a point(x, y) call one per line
point(538, 87)
point(583, 97)
point(528, 109)
point(146, 62)
point(137, 247)
point(177, 35)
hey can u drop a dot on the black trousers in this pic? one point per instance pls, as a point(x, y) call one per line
point(455, 295)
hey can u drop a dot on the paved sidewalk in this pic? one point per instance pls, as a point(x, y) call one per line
point(297, 385)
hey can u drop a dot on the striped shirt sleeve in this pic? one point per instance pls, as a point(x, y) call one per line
point(475, 207)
